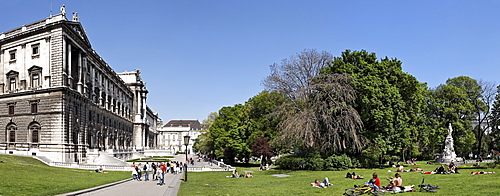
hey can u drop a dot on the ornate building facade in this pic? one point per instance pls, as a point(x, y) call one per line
point(170, 136)
point(59, 99)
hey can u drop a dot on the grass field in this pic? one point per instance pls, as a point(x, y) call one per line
point(263, 183)
point(28, 176)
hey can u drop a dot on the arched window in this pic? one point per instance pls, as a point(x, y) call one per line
point(34, 129)
point(11, 132)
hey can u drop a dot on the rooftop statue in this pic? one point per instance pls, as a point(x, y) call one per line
point(75, 16)
point(63, 10)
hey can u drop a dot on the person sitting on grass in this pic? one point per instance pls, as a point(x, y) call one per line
point(400, 168)
point(395, 184)
point(235, 174)
point(374, 182)
point(248, 175)
point(100, 170)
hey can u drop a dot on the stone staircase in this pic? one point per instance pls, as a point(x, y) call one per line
point(105, 159)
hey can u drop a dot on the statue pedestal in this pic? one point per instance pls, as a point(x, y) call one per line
point(447, 159)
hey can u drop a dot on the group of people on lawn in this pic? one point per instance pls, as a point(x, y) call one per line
point(395, 183)
point(452, 168)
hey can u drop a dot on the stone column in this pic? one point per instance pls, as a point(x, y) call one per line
point(64, 65)
point(68, 71)
point(84, 79)
point(99, 99)
point(80, 71)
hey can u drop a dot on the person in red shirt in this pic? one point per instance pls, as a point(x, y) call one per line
point(163, 170)
point(375, 180)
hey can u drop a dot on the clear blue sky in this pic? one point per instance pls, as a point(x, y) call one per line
point(198, 56)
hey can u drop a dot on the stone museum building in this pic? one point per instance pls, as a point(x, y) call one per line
point(170, 136)
point(60, 100)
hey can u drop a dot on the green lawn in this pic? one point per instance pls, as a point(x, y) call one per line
point(263, 183)
point(28, 176)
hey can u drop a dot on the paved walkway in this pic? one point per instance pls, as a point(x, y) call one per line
point(131, 187)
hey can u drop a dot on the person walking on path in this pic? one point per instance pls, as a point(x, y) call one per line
point(146, 171)
point(139, 171)
point(134, 172)
point(155, 177)
point(158, 174)
point(163, 170)
point(172, 167)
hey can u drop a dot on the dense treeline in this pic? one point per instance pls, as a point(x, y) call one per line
point(355, 108)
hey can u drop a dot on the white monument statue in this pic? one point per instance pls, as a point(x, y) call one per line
point(448, 154)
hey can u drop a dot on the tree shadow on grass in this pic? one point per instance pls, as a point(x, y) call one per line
point(245, 165)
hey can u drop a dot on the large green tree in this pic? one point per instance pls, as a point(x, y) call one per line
point(495, 122)
point(390, 101)
point(323, 119)
point(263, 116)
point(483, 115)
point(456, 102)
point(229, 132)
point(236, 128)
point(318, 115)
point(204, 144)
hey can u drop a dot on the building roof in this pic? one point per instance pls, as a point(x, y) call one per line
point(192, 124)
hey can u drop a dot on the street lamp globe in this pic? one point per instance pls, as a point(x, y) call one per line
point(186, 142)
point(186, 139)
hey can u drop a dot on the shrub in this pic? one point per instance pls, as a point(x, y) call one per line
point(393, 158)
point(291, 163)
point(333, 163)
point(338, 163)
point(316, 164)
point(370, 157)
point(355, 163)
point(426, 156)
point(493, 165)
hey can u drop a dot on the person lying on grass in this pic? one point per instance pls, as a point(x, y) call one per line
point(353, 176)
point(324, 184)
point(481, 172)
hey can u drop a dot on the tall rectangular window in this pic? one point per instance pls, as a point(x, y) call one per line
point(12, 136)
point(34, 108)
point(34, 50)
point(11, 109)
point(35, 79)
point(12, 54)
point(12, 85)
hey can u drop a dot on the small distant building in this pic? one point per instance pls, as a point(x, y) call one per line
point(171, 135)
point(485, 125)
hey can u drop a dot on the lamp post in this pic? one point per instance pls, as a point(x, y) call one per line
point(186, 142)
